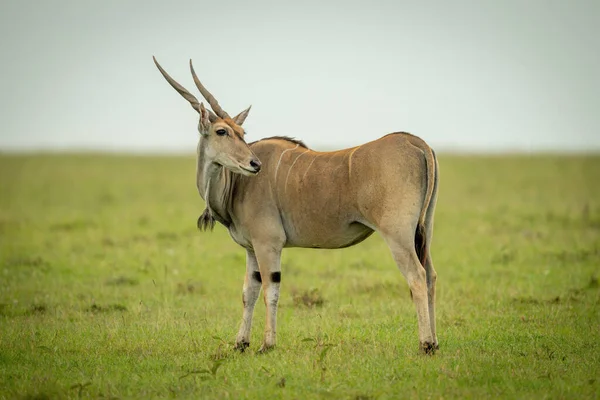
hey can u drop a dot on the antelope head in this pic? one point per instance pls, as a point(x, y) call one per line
point(222, 136)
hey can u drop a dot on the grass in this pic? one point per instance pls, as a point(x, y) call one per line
point(108, 290)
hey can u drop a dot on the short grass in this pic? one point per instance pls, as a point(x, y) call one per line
point(107, 290)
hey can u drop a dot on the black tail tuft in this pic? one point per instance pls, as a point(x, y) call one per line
point(421, 244)
point(206, 221)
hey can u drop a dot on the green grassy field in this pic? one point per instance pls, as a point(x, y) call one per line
point(107, 290)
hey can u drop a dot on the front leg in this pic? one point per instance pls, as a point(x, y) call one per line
point(252, 282)
point(269, 262)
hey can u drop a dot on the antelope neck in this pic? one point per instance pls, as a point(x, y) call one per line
point(215, 185)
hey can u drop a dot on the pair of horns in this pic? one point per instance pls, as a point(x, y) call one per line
point(214, 104)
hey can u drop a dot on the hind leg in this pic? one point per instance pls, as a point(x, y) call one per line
point(403, 251)
point(431, 278)
point(430, 271)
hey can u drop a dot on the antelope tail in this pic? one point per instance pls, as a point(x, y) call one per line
point(421, 234)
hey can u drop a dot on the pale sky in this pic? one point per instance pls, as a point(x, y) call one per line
point(463, 75)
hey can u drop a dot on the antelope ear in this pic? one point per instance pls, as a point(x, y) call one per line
point(205, 119)
point(241, 117)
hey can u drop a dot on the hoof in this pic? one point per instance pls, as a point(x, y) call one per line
point(241, 346)
point(429, 348)
point(265, 349)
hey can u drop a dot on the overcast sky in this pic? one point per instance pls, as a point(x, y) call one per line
point(463, 75)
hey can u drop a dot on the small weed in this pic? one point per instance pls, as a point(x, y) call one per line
point(223, 350)
point(320, 361)
point(531, 300)
point(361, 265)
point(121, 281)
point(504, 257)
point(80, 387)
point(319, 340)
point(280, 383)
point(266, 371)
point(141, 239)
point(311, 298)
point(37, 309)
point(190, 288)
point(37, 396)
point(572, 295)
point(205, 373)
point(31, 262)
point(574, 256)
point(322, 345)
point(95, 308)
point(108, 242)
point(545, 352)
point(348, 312)
point(70, 226)
point(457, 321)
point(167, 236)
point(363, 397)
point(384, 289)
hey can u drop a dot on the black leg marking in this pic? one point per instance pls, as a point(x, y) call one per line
point(276, 277)
point(256, 276)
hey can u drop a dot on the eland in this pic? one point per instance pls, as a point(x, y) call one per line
point(312, 199)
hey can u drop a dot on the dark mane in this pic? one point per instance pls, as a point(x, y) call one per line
point(286, 138)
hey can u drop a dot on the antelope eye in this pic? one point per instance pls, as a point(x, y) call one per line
point(221, 132)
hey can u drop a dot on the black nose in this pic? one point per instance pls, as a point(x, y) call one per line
point(255, 164)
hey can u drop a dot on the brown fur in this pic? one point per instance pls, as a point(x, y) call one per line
point(286, 138)
point(238, 131)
